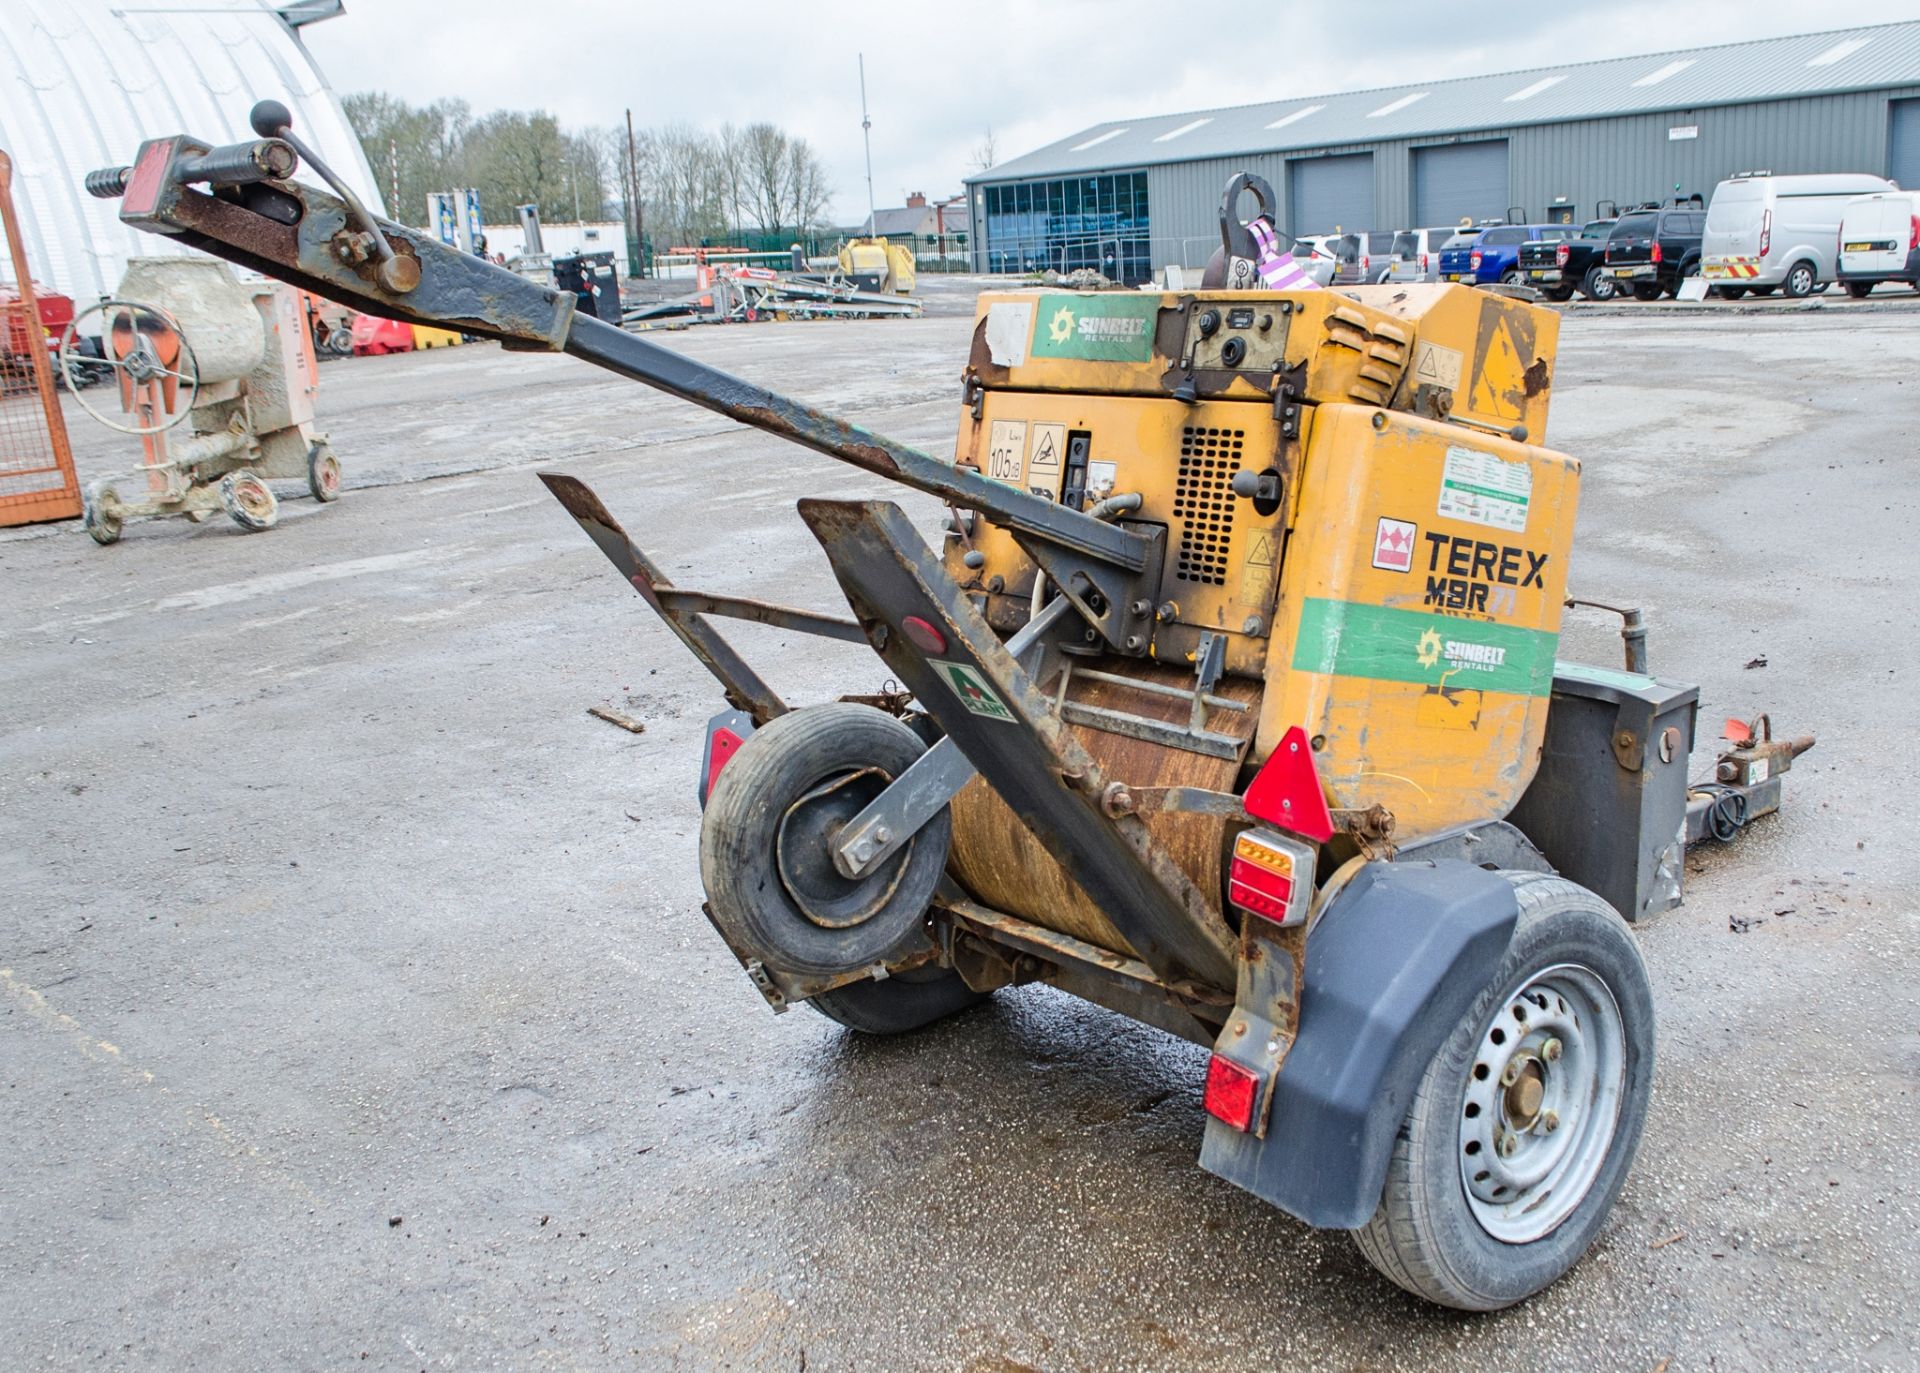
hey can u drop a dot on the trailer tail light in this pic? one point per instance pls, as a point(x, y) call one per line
point(1474, 261)
point(1271, 876)
point(1231, 1092)
point(1561, 254)
point(1286, 791)
point(1766, 232)
point(1656, 254)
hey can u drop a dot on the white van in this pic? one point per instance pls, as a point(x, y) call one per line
point(1767, 232)
point(1880, 241)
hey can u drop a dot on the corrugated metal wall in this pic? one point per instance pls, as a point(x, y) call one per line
point(1627, 159)
point(81, 84)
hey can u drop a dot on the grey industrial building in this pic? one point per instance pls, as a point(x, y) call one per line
point(1549, 144)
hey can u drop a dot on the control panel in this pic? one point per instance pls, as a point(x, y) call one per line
point(1223, 337)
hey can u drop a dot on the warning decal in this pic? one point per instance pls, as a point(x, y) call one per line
point(1006, 450)
point(1483, 489)
point(1043, 459)
point(1436, 366)
point(972, 689)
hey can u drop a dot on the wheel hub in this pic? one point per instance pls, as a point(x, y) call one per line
point(804, 847)
point(1542, 1100)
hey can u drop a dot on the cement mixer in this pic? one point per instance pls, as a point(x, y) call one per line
point(188, 344)
point(1230, 701)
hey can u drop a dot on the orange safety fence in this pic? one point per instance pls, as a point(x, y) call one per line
point(37, 480)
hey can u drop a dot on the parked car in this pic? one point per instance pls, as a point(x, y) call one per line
point(1494, 255)
point(1314, 254)
point(1767, 232)
point(1880, 241)
point(1559, 267)
point(1456, 254)
point(1652, 249)
point(1415, 255)
point(1363, 258)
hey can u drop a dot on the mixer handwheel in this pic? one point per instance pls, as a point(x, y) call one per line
point(765, 843)
point(141, 346)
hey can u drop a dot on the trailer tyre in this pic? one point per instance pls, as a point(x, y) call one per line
point(764, 855)
point(1521, 1132)
point(904, 1002)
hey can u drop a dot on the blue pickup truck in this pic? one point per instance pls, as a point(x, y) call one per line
point(1480, 256)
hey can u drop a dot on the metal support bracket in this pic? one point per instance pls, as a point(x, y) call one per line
point(988, 705)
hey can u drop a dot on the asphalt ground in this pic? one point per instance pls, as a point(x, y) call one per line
point(356, 1007)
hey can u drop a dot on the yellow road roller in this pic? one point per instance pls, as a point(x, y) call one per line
point(1229, 701)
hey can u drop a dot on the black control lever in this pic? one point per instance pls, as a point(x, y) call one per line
point(272, 120)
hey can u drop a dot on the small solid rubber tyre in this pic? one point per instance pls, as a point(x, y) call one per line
point(1799, 281)
point(787, 760)
point(100, 513)
point(1424, 1235)
point(323, 473)
point(248, 501)
point(903, 1002)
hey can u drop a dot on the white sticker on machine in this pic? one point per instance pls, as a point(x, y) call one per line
point(1436, 366)
point(1483, 489)
point(1009, 324)
point(1007, 450)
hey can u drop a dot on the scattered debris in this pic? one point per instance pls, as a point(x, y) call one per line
point(1674, 1238)
point(1080, 279)
point(1661, 1367)
point(394, 1222)
point(614, 717)
point(1760, 661)
point(1740, 924)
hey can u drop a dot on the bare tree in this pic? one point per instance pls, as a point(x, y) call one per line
point(984, 152)
point(765, 175)
point(808, 189)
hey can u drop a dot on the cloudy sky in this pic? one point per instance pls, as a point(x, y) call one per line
point(940, 75)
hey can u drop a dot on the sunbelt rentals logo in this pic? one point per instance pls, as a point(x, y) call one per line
point(1460, 655)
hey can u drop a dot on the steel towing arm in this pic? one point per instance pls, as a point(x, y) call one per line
point(237, 203)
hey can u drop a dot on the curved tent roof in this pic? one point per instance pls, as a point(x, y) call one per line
point(82, 82)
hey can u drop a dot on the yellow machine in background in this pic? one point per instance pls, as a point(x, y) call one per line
point(879, 264)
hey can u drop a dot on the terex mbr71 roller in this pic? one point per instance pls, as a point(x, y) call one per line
point(1231, 703)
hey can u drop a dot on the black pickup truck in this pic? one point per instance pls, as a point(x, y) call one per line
point(1652, 249)
point(1560, 269)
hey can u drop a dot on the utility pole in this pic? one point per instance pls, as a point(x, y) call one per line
point(393, 172)
point(866, 137)
point(633, 199)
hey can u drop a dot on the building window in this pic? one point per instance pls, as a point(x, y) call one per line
point(1089, 221)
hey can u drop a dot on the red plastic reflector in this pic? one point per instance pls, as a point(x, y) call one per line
point(143, 187)
point(1656, 252)
point(721, 746)
point(1231, 1092)
point(1286, 791)
point(923, 634)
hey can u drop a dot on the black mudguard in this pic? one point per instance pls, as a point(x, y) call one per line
point(1391, 967)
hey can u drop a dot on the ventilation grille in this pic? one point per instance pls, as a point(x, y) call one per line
point(1203, 504)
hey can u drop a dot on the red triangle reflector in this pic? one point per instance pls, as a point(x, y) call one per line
point(1286, 791)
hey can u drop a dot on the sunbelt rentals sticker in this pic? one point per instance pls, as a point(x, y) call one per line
point(1116, 327)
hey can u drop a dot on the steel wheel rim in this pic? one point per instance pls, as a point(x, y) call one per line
point(1542, 1102)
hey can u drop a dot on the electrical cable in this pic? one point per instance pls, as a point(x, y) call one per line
point(1727, 813)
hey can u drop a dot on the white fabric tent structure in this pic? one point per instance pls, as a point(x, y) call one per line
point(82, 82)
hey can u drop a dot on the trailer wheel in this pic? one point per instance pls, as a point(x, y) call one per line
point(905, 1001)
point(764, 859)
point(100, 513)
point(1521, 1132)
point(323, 473)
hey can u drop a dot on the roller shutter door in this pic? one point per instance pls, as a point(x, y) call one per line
point(1903, 144)
point(1460, 181)
point(1325, 193)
